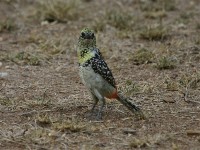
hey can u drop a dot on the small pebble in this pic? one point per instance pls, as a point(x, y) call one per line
point(43, 23)
point(9, 67)
point(3, 74)
point(129, 131)
point(193, 132)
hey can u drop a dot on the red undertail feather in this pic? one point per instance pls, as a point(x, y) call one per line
point(114, 95)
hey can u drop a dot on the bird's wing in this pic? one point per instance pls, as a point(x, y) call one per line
point(97, 51)
point(99, 66)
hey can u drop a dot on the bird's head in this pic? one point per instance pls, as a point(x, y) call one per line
point(86, 45)
point(87, 39)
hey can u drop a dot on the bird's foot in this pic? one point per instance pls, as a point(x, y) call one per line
point(99, 116)
point(94, 114)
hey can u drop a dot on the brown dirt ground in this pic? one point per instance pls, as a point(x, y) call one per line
point(45, 106)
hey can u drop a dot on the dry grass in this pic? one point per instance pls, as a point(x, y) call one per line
point(157, 32)
point(131, 88)
point(157, 14)
point(157, 5)
point(99, 24)
point(148, 141)
point(166, 62)
point(197, 41)
point(61, 10)
point(68, 126)
point(152, 48)
point(7, 25)
point(119, 19)
point(198, 26)
point(143, 56)
point(53, 47)
point(25, 59)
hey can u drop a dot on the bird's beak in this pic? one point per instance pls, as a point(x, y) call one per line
point(87, 41)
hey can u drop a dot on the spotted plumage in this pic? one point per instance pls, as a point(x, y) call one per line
point(95, 74)
point(100, 67)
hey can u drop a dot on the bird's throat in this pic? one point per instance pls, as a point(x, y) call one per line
point(84, 56)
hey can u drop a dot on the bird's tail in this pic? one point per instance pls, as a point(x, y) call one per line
point(132, 107)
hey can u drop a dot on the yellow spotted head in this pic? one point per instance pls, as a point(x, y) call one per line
point(87, 38)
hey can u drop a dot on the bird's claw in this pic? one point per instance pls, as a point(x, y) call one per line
point(99, 116)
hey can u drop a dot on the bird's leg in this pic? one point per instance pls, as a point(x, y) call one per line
point(103, 102)
point(99, 115)
point(96, 100)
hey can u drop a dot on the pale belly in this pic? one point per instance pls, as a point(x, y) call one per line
point(94, 81)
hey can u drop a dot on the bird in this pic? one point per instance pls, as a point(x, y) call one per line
point(96, 75)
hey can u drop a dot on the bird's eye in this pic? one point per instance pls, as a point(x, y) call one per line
point(92, 35)
point(82, 34)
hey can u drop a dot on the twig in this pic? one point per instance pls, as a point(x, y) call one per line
point(34, 111)
point(190, 101)
point(186, 94)
point(96, 121)
point(129, 131)
point(3, 87)
point(193, 132)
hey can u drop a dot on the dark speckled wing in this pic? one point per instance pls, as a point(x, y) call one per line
point(98, 53)
point(99, 66)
